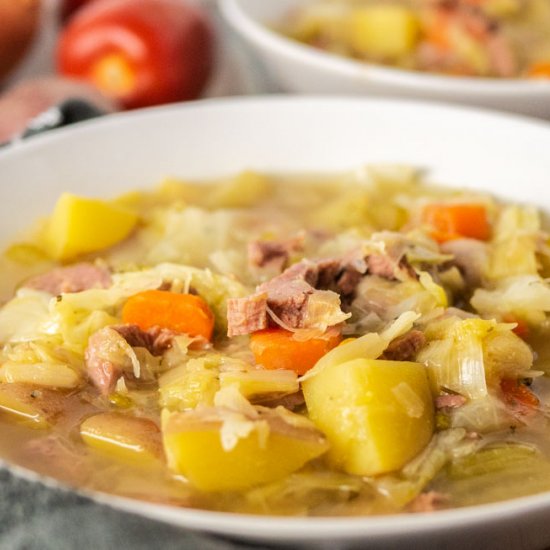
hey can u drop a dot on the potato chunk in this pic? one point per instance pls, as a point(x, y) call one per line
point(266, 448)
point(37, 408)
point(80, 225)
point(123, 437)
point(377, 415)
point(384, 31)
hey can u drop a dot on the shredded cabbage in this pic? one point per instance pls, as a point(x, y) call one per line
point(369, 346)
point(24, 317)
point(506, 355)
point(323, 310)
point(302, 492)
point(193, 383)
point(389, 299)
point(255, 382)
point(482, 415)
point(189, 236)
point(525, 297)
point(53, 375)
point(240, 418)
point(437, 291)
point(455, 362)
point(497, 472)
point(514, 245)
point(74, 317)
point(444, 447)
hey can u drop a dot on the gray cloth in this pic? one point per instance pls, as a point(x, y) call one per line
point(33, 517)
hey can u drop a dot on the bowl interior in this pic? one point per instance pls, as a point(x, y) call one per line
point(505, 155)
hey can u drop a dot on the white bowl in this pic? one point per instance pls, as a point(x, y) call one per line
point(300, 68)
point(505, 155)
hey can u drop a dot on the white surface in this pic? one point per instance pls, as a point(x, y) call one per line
point(505, 155)
point(303, 69)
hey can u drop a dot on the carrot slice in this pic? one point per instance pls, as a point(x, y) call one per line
point(183, 313)
point(437, 29)
point(454, 221)
point(521, 328)
point(518, 396)
point(539, 70)
point(275, 348)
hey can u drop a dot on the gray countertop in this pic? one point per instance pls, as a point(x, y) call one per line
point(33, 517)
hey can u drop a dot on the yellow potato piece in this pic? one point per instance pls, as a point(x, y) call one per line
point(272, 449)
point(36, 408)
point(385, 31)
point(80, 225)
point(123, 437)
point(377, 415)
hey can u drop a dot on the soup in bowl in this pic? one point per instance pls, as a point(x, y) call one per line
point(449, 51)
point(339, 338)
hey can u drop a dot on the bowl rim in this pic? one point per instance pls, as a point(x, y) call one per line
point(301, 529)
point(281, 528)
point(237, 16)
point(114, 120)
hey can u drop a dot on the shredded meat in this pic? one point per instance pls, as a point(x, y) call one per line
point(273, 254)
point(289, 300)
point(103, 345)
point(383, 266)
point(73, 278)
point(470, 256)
point(347, 282)
point(429, 502)
point(287, 295)
point(388, 267)
point(291, 401)
point(156, 340)
point(103, 372)
point(339, 275)
point(405, 348)
point(328, 273)
point(305, 270)
point(246, 315)
point(449, 401)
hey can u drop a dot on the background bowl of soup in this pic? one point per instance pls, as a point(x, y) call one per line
point(120, 153)
point(301, 68)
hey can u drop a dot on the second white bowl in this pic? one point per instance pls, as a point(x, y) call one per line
point(299, 68)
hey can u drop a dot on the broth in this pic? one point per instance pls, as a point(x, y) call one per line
point(392, 356)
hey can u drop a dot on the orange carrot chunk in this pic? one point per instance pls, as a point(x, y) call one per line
point(182, 313)
point(455, 221)
point(275, 348)
point(539, 70)
point(518, 396)
point(521, 328)
point(437, 29)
